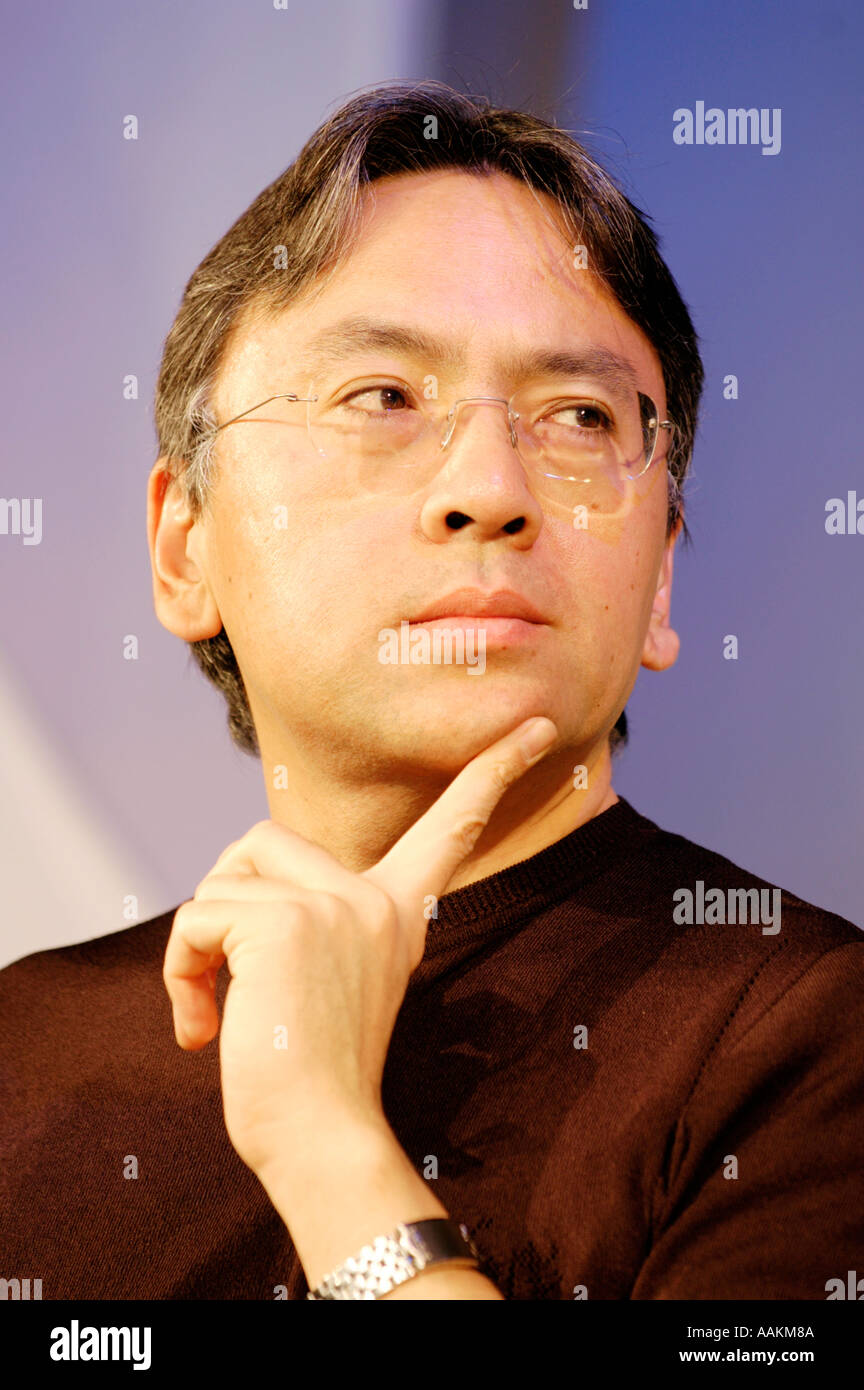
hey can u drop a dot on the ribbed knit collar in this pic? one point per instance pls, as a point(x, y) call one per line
point(551, 875)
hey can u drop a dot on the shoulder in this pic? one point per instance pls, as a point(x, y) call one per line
point(700, 893)
point(51, 996)
point(717, 944)
point(124, 949)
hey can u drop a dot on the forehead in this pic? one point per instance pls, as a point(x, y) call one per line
point(481, 266)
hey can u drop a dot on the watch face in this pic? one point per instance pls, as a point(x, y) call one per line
point(416, 1245)
point(438, 1239)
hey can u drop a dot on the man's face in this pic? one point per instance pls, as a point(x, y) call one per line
point(306, 570)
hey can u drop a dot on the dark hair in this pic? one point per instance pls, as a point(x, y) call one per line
point(303, 222)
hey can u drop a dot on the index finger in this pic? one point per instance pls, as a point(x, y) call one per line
point(431, 850)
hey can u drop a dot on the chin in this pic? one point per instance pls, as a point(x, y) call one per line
point(452, 738)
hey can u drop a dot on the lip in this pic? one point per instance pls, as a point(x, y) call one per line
point(474, 603)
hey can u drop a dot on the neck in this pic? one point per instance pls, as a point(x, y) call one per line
point(359, 821)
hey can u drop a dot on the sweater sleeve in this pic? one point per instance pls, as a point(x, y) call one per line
point(763, 1194)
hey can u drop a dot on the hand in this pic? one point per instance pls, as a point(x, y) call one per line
point(320, 959)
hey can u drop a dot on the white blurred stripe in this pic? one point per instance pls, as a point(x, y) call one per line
point(63, 874)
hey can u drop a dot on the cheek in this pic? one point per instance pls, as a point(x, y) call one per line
point(301, 564)
point(612, 568)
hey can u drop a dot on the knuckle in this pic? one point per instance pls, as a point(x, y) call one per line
point(255, 832)
point(331, 907)
point(290, 914)
point(182, 913)
point(466, 832)
point(376, 902)
point(502, 775)
point(385, 917)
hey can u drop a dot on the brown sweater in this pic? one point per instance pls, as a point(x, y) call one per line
point(597, 1165)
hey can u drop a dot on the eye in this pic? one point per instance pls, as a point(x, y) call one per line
point(375, 400)
point(581, 415)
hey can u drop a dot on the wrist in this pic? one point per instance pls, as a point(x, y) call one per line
point(343, 1190)
point(323, 1145)
point(386, 1264)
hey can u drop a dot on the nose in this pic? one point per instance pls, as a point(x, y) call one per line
point(481, 486)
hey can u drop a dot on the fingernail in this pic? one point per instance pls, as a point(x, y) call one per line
point(538, 738)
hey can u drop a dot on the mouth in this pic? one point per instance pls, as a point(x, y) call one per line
point(468, 607)
point(499, 620)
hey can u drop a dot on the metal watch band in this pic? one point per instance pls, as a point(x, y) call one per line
point(390, 1260)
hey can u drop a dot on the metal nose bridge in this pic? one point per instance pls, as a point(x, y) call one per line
point(478, 400)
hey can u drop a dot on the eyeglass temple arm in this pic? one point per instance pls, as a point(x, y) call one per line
point(280, 396)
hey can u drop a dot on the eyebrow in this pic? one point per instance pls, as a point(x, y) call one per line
point(360, 334)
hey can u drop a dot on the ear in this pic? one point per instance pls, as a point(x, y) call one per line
point(660, 649)
point(181, 594)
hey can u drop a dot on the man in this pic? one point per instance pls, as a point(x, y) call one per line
point(424, 415)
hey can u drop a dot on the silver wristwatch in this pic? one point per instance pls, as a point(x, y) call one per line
point(390, 1260)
